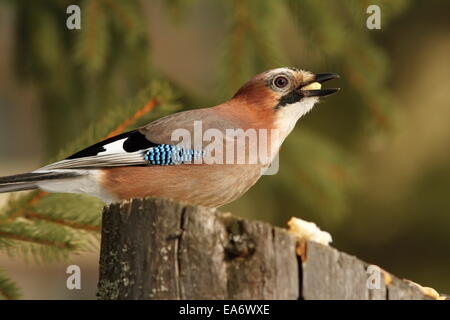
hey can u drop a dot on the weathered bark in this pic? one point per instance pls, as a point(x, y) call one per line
point(330, 274)
point(161, 249)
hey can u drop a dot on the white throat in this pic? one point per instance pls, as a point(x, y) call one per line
point(288, 115)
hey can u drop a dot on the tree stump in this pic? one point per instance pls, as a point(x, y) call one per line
point(162, 249)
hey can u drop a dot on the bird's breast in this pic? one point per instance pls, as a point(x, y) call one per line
point(207, 185)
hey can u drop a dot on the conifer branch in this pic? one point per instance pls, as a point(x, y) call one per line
point(91, 32)
point(5, 294)
point(45, 242)
point(237, 39)
point(93, 44)
point(8, 289)
point(75, 225)
point(126, 20)
point(33, 201)
point(139, 114)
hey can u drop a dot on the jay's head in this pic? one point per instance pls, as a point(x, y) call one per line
point(281, 96)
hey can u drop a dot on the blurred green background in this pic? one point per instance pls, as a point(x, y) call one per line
point(370, 164)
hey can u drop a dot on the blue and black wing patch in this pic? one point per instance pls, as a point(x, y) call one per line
point(166, 154)
point(127, 149)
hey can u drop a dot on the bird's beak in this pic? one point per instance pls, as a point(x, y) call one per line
point(314, 87)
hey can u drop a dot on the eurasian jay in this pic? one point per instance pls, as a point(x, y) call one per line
point(234, 143)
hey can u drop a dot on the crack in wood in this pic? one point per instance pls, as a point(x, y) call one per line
point(177, 266)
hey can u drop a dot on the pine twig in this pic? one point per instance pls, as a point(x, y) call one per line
point(33, 201)
point(140, 113)
point(8, 289)
point(75, 225)
point(5, 294)
point(126, 20)
point(237, 38)
point(57, 244)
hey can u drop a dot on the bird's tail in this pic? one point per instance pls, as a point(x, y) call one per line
point(28, 181)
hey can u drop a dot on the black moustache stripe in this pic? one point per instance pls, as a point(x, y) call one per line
point(292, 97)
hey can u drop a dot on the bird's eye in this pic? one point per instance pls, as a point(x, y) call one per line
point(280, 82)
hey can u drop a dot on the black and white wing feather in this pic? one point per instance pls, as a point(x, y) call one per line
point(127, 149)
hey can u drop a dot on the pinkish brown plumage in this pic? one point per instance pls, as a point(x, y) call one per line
point(123, 167)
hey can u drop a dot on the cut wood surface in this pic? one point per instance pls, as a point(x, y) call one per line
point(162, 249)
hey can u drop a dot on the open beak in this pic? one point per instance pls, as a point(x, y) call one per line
point(314, 88)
